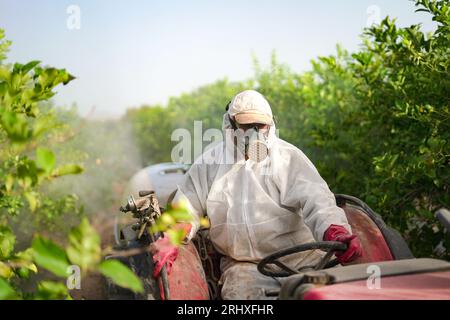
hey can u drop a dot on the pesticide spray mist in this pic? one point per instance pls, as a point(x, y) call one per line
point(109, 156)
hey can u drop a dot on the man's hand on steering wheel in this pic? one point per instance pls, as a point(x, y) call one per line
point(338, 241)
point(329, 246)
point(340, 234)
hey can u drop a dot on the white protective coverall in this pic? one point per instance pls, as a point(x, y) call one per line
point(257, 208)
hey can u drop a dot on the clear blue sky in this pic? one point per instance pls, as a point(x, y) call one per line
point(129, 53)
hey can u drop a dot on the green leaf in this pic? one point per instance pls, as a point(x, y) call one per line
point(67, 77)
point(84, 246)
point(50, 256)
point(30, 65)
point(45, 159)
point(176, 237)
point(23, 273)
point(24, 259)
point(32, 198)
point(49, 290)
point(5, 270)
point(6, 291)
point(121, 275)
point(9, 182)
point(67, 169)
point(5, 74)
point(7, 241)
point(27, 173)
point(16, 126)
point(44, 124)
point(17, 67)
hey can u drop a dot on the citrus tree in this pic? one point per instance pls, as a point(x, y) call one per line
point(28, 128)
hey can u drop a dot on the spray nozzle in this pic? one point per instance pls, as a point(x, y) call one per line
point(130, 206)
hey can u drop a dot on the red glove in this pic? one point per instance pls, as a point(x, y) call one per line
point(165, 252)
point(339, 233)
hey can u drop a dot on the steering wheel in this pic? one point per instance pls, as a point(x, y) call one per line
point(329, 246)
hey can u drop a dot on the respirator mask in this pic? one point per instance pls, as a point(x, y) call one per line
point(256, 144)
point(251, 143)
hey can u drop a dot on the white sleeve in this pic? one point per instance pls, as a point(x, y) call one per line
point(303, 189)
point(193, 190)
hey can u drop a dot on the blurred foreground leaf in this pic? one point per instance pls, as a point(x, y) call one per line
point(121, 275)
point(50, 256)
point(84, 246)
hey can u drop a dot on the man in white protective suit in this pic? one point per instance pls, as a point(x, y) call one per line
point(261, 195)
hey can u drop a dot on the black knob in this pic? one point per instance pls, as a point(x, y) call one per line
point(145, 193)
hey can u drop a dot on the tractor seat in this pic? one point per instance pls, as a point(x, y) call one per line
point(379, 242)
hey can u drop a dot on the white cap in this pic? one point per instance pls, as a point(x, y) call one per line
point(250, 106)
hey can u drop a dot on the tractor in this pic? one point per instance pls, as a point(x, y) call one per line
point(386, 270)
